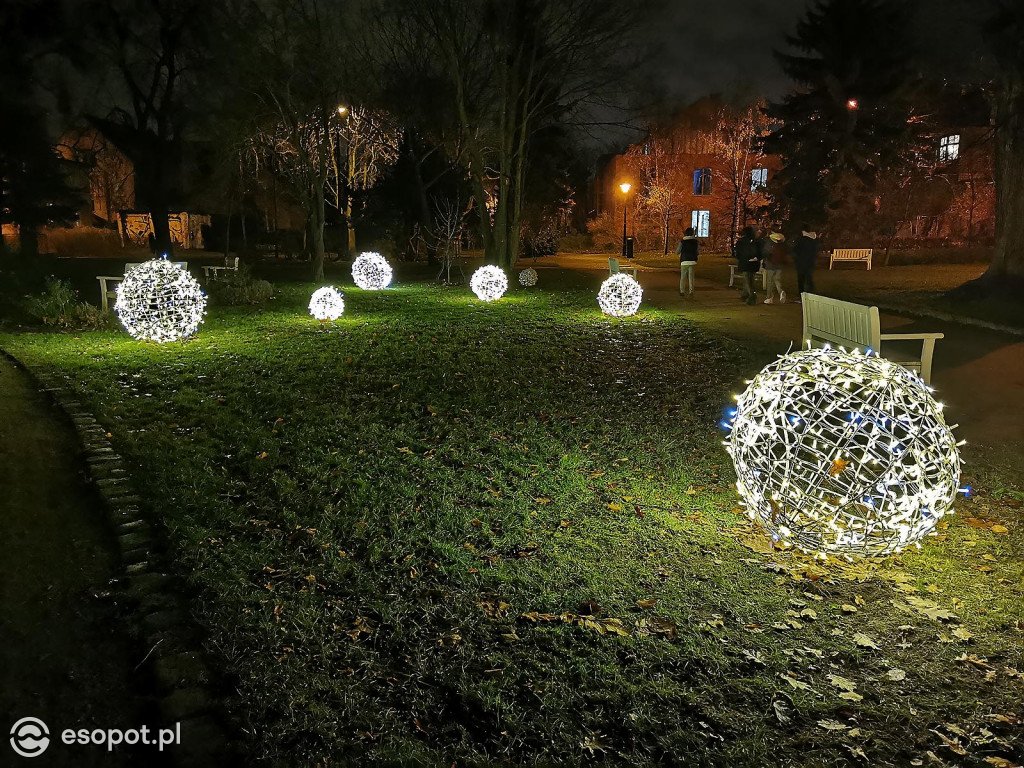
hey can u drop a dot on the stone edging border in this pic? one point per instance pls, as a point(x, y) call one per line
point(186, 693)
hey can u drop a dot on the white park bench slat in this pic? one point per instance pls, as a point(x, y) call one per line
point(229, 265)
point(850, 254)
point(734, 273)
point(614, 267)
point(109, 283)
point(856, 326)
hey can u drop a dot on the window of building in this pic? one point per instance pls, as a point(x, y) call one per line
point(701, 222)
point(949, 148)
point(702, 181)
point(647, 148)
point(758, 179)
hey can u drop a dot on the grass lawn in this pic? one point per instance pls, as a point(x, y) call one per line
point(439, 532)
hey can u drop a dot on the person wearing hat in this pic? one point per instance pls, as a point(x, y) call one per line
point(773, 263)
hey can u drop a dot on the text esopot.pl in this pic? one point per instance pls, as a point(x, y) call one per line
point(30, 737)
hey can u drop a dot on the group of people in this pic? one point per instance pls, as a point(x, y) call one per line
point(756, 251)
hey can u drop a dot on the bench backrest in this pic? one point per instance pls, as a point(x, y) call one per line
point(851, 254)
point(613, 265)
point(842, 323)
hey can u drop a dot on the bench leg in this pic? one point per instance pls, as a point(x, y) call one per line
point(927, 353)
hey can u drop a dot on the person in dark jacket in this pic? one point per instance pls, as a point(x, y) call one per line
point(772, 265)
point(748, 262)
point(805, 257)
point(687, 250)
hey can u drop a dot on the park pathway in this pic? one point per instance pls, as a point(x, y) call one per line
point(977, 373)
point(65, 657)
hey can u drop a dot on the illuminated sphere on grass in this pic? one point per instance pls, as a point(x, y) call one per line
point(327, 304)
point(489, 283)
point(528, 277)
point(620, 295)
point(371, 272)
point(843, 453)
point(159, 301)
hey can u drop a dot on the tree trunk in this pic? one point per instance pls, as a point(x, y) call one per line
point(1008, 259)
point(316, 231)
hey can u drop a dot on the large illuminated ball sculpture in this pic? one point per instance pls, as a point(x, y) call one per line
point(159, 301)
point(371, 272)
point(327, 304)
point(620, 295)
point(528, 277)
point(843, 453)
point(489, 283)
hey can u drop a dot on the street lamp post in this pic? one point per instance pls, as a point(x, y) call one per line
point(625, 187)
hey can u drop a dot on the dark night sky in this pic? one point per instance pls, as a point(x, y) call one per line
point(724, 45)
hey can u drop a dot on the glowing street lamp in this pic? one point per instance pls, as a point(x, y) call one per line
point(852, 104)
point(625, 187)
point(342, 109)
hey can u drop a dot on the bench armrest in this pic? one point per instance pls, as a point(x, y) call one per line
point(910, 336)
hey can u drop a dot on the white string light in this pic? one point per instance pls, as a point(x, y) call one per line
point(371, 271)
point(327, 303)
point(489, 283)
point(528, 277)
point(843, 453)
point(159, 301)
point(620, 295)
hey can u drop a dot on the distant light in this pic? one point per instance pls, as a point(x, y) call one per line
point(852, 104)
point(625, 187)
point(528, 277)
point(342, 110)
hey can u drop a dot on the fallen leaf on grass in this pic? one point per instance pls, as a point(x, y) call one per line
point(847, 608)
point(851, 696)
point(655, 626)
point(799, 685)
point(832, 725)
point(781, 709)
point(865, 642)
point(842, 682)
point(1001, 762)
point(896, 675)
point(999, 529)
point(646, 603)
point(962, 634)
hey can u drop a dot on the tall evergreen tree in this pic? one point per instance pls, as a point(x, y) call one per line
point(852, 112)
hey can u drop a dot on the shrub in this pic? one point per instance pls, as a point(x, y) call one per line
point(576, 243)
point(58, 305)
point(81, 242)
point(238, 288)
point(543, 242)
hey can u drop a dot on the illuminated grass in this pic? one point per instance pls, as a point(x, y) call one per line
point(357, 501)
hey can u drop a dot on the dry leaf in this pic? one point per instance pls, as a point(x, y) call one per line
point(832, 725)
point(896, 675)
point(842, 682)
point(865, 642)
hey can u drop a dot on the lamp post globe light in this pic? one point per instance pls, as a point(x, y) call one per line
point(159, 301)
point(625, 187)
point(843, 453)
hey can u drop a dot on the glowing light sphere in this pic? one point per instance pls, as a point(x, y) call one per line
point(371, 272)
point(528, 277)
point(327, 303)
point(159, 301)
point(843, 453)
point(620, 295)
point(489, 283)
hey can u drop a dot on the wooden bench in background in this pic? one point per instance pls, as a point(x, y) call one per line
point(734, 273)
point(856, 326)
point(614, 267)
point(850, 254)
point(213, 272)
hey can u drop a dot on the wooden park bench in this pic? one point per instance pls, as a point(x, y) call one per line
point(213, 272)
point(856, 326)
point(850, 254)
point(734, 274)
point(108, 283)
point(614, 267)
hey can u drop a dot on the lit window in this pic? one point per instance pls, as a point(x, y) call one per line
point(701, 222)
point(949, 148)
point(647, 148)
point(758, 179)
point(702, 181)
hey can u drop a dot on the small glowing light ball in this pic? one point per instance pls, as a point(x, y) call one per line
point(528, 277)
point(327, 304)
point(159, 301)
point(620, 295)
point(371, 272)
point(489, 283)
point(843, 453)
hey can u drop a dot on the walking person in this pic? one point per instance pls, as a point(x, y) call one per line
point(748, 263)
point(805, 256)
point(773, 263)
point(687, 250)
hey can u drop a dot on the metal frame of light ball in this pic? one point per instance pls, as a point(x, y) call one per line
point(620, 295)
point(327, 303)
point(528, 277)
point(489, 283)
point(371, 271)
point(843, 453)
point(159, 301)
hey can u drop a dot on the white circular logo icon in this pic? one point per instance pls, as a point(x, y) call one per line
point(30, 737)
